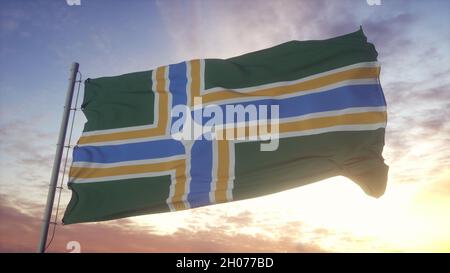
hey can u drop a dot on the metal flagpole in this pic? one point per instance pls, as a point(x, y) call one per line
point(58, 156)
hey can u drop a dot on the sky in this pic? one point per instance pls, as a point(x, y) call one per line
point(40, 39)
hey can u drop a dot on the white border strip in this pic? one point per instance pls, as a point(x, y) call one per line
point(169, 101)
point(343, 128)
point(188, 83)
point(214, 176)
point(87, 164)
point(121, 177)
point(187, 189)
point(230, 183)
point(125, 141)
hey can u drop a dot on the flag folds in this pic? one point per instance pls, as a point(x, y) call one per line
point(331, 119)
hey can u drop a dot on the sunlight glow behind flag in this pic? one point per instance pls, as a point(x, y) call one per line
point(332, 119)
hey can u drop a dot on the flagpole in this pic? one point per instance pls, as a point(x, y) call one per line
point(58, 156)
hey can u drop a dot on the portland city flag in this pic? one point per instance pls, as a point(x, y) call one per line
point(209, 131)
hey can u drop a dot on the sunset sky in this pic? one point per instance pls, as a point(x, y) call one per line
point(40, 39)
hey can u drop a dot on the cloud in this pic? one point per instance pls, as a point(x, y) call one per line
point(231, 28)
point(439, 187)
point(243, 218)
point(21, 224)
point(26, 159)
point(26, 141)
point(389, 32)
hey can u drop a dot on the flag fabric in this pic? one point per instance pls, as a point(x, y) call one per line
point(331, 122)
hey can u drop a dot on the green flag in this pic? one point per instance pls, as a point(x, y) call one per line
point(269, 121)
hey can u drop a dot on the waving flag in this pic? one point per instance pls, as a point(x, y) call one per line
point(325, 97)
